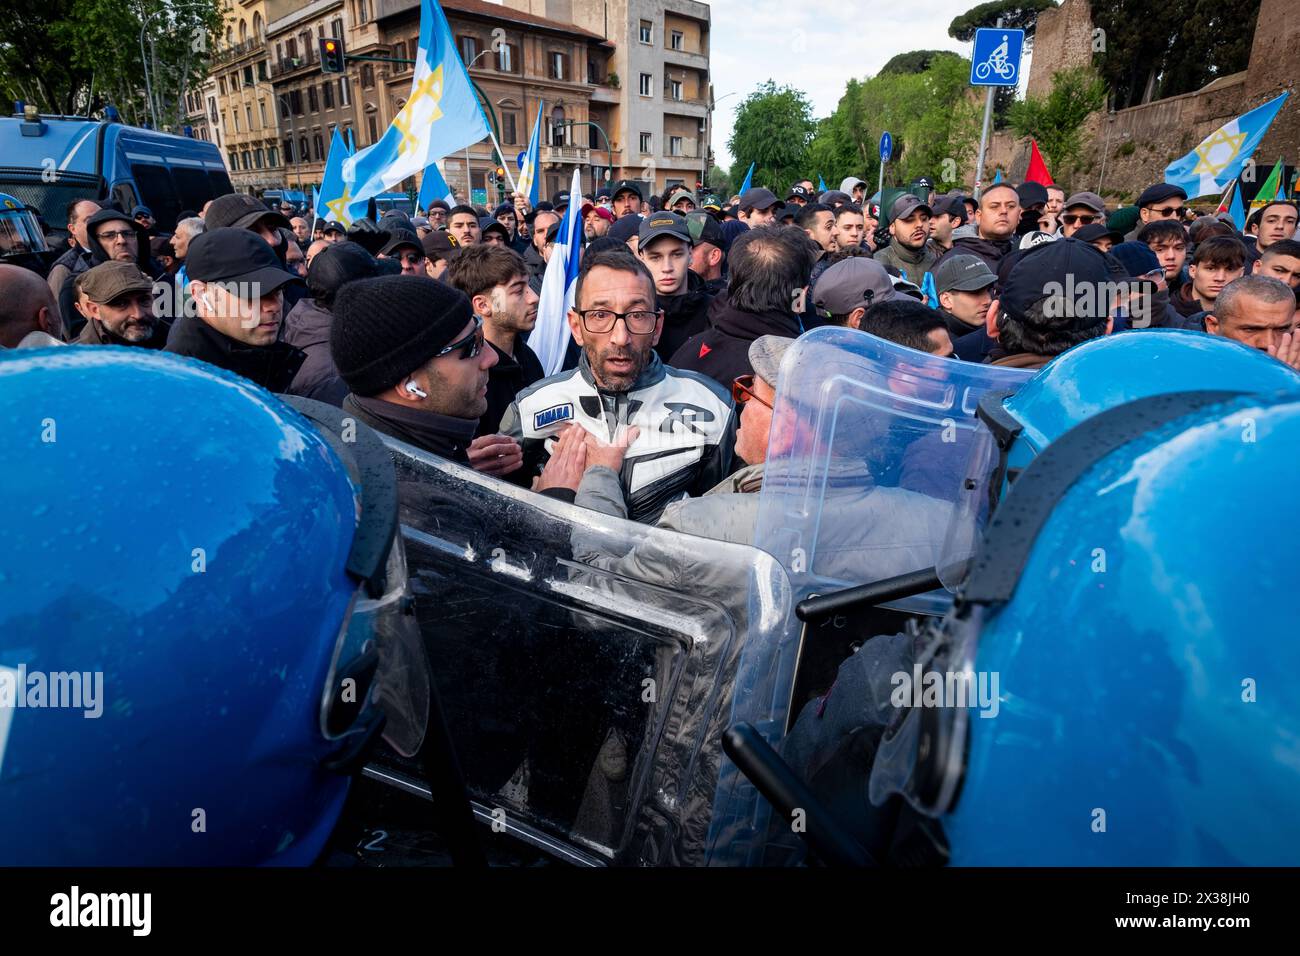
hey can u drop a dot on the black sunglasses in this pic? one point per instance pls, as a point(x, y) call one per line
point(470, 346)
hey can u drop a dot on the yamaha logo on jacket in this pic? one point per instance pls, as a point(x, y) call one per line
point(687, 423)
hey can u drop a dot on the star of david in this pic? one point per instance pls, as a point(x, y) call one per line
point(339, 207)
point(1219, 138)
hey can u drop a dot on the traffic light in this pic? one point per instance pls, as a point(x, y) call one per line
point(331, 55)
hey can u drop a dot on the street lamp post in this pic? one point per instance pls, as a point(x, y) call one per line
point(145, 60)
point(708, 128)
point(469, 182)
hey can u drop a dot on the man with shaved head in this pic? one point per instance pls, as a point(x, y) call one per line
point(29, 314)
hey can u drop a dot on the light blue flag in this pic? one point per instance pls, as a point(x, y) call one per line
point(550, 337)
point(334, 202)
point(1236, 210)
point(997, 177)
point(1221, 156)
point(441, 116)
point(749, 179)
point(434, 186)
point(821, 184)
point(529, 182)
point(929, 291)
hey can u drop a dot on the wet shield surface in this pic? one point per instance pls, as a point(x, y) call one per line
point(585, 663)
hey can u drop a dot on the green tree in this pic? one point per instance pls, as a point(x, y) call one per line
point(914, 61)
point(1150, 49)
point(772, 130)
point(718, 183)
point(932, 116)
point(1016, 14)
point(1056, 120)
point(76, 56)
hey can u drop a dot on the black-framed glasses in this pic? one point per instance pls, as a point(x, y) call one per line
point(116, 234)
point(600, 321)
point(742, 390)
point(470, 346)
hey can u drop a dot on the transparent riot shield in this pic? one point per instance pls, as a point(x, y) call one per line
point(869, 445)
point(585, 663)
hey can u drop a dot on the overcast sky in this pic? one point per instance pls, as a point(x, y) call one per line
point(816, 46)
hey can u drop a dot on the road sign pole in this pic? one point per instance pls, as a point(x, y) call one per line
point(984, 131)
point(984, 139)
point(880, 181)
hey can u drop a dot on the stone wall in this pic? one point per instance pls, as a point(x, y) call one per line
point(1128, 150)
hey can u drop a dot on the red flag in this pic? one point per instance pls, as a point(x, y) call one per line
point(1037, 168)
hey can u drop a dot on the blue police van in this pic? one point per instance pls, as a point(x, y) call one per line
point(48, 161)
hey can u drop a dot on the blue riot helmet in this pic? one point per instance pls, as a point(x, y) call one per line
point(1099, 374)
point(22, 241)
point(204, 608)
point(1131, 605)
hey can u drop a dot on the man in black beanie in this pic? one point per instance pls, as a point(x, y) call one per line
point(307, 326)
point(412, 353)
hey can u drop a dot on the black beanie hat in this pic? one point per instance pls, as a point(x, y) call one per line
point(387, 327)
point(335, 265)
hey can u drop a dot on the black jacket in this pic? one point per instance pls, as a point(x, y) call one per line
point(506, 379)
point(536, 268)
point(307, 327)
point(271, 366)
point(722, 352)
point(990, 250)
point(956, 327)
point(684, 315)
point(72, 319)
point(437, 434)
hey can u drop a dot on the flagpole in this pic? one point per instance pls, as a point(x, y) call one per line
point(504, 164)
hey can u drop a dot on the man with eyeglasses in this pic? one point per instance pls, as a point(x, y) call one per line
point(677, 429)
point(411, 352)
point(405, 247)
point(113, 236)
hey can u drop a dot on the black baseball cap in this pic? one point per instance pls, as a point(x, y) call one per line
point(664, 224)
point(489, 224)
point(799, 192)
point(1098, 230)
point(1032, 194)
point(560, 200)
point(953, 206)
point(907, 204)
point(627, 185)
point(703, 227)
point(1066, 263)
point(438, 245)
point(241, 211)
point(334, 227)
point(759, 197)
point(401, 236)
point(963, 273)
point(234, 254)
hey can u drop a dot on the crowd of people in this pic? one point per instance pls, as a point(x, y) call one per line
point(419, 325)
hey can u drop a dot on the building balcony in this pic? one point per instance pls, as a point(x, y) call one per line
point(580, 155)
point(238, 50)
point(290, 65)
point(697, 61)
point(606, 94)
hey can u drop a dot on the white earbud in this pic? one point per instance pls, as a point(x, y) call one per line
point(415, 391)
point(208, 302)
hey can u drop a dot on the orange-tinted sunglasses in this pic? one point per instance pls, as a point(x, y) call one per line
point(742, 390)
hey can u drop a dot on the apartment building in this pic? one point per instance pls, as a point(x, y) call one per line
point(519, 62)
point(235, 108)
point(657, 94)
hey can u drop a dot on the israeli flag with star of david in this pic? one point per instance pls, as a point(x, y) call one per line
point(1219, 158)
point(442, 115)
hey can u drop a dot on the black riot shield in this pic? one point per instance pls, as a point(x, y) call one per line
point(585, 663)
